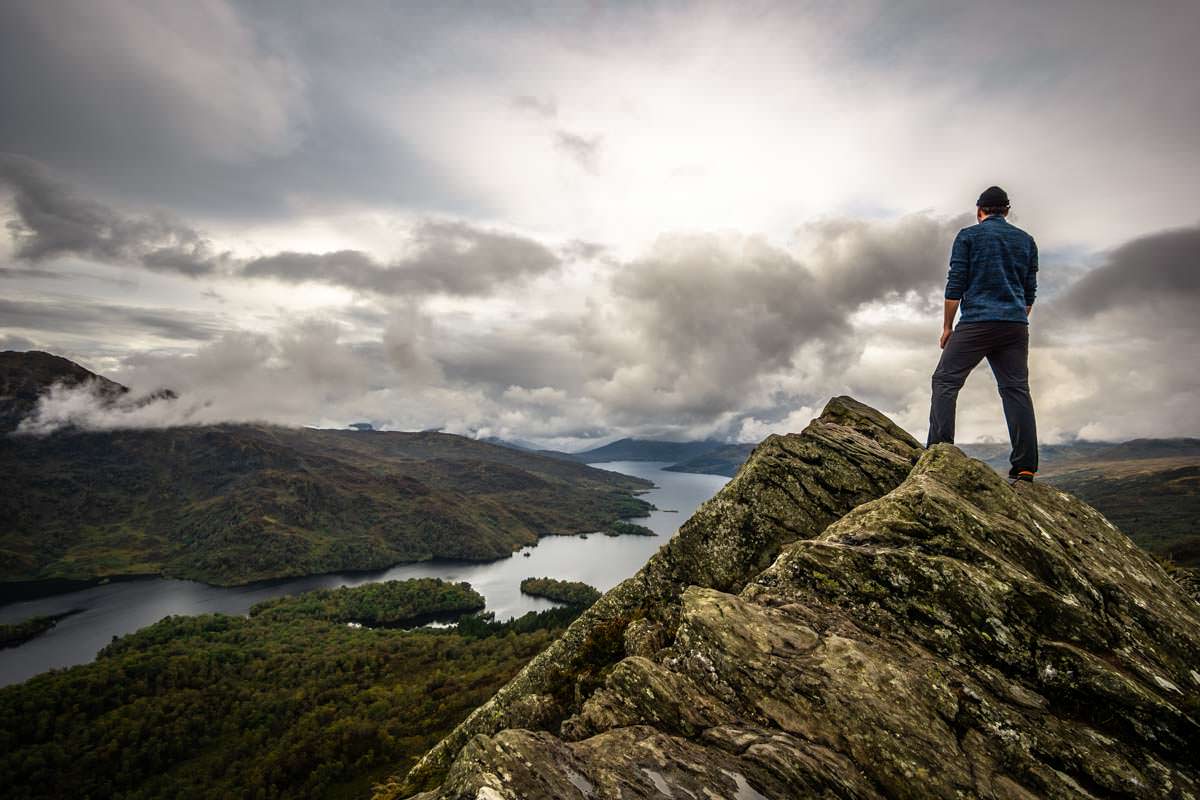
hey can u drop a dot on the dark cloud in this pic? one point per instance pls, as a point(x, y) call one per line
point(1161, 267)
point(352, 268)
point(529, 352)
point(583, 150)
point(102, 320)
point(707, 322)
point(53, 220)
point(217, 108)
point(18, 273)
point(448, 257)
point(158, 79)
point(862, 261)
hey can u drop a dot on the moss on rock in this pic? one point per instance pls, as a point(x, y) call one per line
point(854, 616)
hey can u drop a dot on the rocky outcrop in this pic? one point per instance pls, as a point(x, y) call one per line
point(853, 616)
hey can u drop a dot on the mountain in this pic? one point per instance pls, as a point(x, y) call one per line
point(230, 504)
point(638, 450)
point(1052, 456)
point(724, 460)
point(26, 376)
point(855, 616)
point(1149, 488)
point(516, 444)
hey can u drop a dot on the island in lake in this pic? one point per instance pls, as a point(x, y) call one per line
point(571, 593)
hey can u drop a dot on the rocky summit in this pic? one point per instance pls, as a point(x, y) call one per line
point(855, 616)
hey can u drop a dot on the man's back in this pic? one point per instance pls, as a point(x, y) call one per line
point(993, 271)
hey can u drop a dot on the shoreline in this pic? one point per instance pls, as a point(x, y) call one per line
point(13, 592)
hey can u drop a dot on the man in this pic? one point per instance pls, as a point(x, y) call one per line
point(992, 280)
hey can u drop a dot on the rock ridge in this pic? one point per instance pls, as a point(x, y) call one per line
point(855, 616)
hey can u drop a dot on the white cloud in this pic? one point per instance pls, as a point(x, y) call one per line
point(666, 220)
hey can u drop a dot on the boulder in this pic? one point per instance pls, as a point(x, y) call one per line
point(853, 616)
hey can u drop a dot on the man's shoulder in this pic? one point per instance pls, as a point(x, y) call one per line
point(1020, 232)
point(1003, 230)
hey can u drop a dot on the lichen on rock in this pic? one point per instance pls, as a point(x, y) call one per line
point(854, 616)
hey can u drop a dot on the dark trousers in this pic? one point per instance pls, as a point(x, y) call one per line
point(1006, 347)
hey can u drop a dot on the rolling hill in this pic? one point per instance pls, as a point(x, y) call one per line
point(230, 504)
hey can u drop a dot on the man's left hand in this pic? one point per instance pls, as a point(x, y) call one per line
point(945, 337)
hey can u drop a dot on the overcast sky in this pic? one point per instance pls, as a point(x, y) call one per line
point(568, 222)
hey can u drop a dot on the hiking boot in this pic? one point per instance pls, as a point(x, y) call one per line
point(1023, 475)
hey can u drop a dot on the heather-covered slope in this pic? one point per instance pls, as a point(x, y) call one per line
point(838, 622)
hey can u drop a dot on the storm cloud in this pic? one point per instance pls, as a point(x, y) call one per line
point(1160, 268)
point(106, 319)
point(53, 220)
point(707, 324)
point(142, 78)
point(447, 257)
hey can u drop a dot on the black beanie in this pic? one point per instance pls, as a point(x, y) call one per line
point(993, 197)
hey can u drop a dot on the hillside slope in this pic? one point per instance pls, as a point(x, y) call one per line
point(724, 460)
point(26, 376)
point(230, 504)
point(853, 616)
point(1150, 488)
point(235, 503)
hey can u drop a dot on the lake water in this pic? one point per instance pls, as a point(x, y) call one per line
point(121, 607)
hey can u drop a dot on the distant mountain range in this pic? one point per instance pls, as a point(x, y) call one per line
point(25, 377)
point(1148, 487)
point(723, 460)
point(1054, 456)
point(229, 504)
point(639, 450)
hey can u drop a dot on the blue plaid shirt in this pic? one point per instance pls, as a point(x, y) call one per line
point(993, 271)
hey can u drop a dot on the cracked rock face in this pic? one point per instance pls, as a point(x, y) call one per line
point(839, 622)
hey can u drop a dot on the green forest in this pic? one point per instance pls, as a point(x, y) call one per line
point(16, 633)
point(233, 504)
point(625, 528)
point(571, 593)
point(281, 704)
point(387, 604)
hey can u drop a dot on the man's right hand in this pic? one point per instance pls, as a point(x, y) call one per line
point(949, 309)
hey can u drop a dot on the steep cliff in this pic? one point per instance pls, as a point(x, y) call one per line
point(854, 616)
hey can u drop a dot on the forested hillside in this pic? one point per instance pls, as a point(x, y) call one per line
point(229, 504)
point(280, 705)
